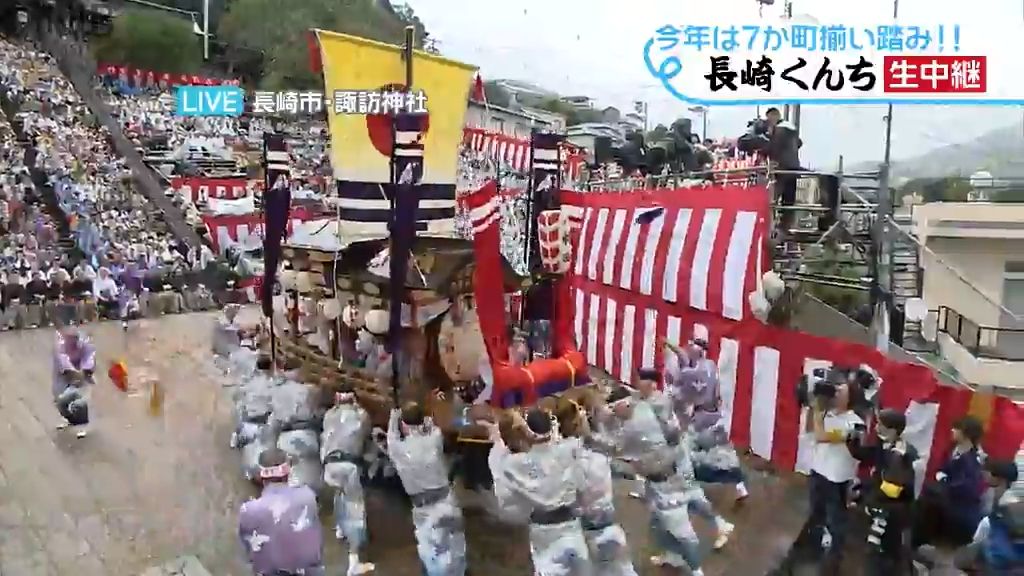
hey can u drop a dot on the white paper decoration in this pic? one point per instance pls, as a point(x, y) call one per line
point(461, 346)
point(287, 279)
point(332, 309)
point(774, 286)
point(759, 305)
point(281, 304)
point(377, 321)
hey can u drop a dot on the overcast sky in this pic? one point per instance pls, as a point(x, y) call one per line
point(594, 48)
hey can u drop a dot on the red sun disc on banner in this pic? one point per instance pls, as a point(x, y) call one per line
point(378, 126)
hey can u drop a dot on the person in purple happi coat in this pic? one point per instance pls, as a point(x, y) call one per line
point(694, 387)
point(74, 361)
point(280, 531)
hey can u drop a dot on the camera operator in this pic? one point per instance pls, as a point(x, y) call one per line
point(833, 468)
point(784, 152)
point(889, 494)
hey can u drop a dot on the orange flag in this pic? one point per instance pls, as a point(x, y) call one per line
point(118, 374)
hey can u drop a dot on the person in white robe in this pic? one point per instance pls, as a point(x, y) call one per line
point(546, 480)
point(346, 429)
point(606, 540)
point(416, 449)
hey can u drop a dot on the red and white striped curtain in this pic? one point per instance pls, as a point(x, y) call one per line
point(199, 189)
point(688, 271)
point(514, 153)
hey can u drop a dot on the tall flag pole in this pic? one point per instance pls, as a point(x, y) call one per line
point(277, 199)
point(406, 173)
point(396, 173)
point(545, 183)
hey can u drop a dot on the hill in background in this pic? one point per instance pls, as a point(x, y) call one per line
point(1000, 152)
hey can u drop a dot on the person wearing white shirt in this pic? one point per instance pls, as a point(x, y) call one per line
point(105, 290)
point(832, 470)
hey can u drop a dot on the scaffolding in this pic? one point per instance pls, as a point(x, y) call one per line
point(839, 232)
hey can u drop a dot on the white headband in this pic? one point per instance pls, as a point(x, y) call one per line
point(279, 471)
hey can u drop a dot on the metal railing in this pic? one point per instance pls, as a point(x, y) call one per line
point(982, 341)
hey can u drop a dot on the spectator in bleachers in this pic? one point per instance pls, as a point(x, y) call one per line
point(11, 295)
point(106, 292)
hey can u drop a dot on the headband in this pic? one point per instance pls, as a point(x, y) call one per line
point(272, 472)
point(621, 402)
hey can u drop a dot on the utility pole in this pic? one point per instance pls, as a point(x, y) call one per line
point(703, 111)
point(206, 30)
point(881, 239)
point(792, 112)
point(888, 116)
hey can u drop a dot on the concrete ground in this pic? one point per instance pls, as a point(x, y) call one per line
point(144, 490)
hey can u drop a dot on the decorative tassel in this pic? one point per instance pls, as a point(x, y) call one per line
point(118, 374)
point(156, 399)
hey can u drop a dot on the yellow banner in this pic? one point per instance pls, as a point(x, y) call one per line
point(361, 144)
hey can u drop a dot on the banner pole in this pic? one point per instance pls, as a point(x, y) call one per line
point(263, 209)
point(399, 284)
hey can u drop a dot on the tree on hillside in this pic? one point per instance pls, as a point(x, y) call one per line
point(279, 29)
point(152, 40)
point(947, 189)
point(659, 133)
point(496, 95)
point(217, 8)
point(573, 115)
point(828, 261)
point(1011, 194)
point(409, 18)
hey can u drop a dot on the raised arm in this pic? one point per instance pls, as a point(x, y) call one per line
point(88, 357)
point(394, 435)
point(499, 451)
point(64, 362)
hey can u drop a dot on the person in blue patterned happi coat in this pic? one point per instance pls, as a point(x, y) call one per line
point(693, 385)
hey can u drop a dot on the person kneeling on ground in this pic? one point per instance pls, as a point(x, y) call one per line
point(74, 361)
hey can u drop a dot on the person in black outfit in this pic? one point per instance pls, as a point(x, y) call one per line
point(80, 287)
point(11, 297)
point(888, 495)
point(784, 150)
point(951, 507)
point(35, 296)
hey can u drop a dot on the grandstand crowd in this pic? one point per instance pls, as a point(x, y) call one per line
point(78, 242)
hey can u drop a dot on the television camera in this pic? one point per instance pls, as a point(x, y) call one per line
point(679, 150)
point(820, 387)
point(756, 138)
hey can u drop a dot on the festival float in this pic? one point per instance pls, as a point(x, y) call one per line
point(610, 273)
point(457, 299)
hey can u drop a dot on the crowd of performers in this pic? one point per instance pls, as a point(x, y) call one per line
point(552, 470)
